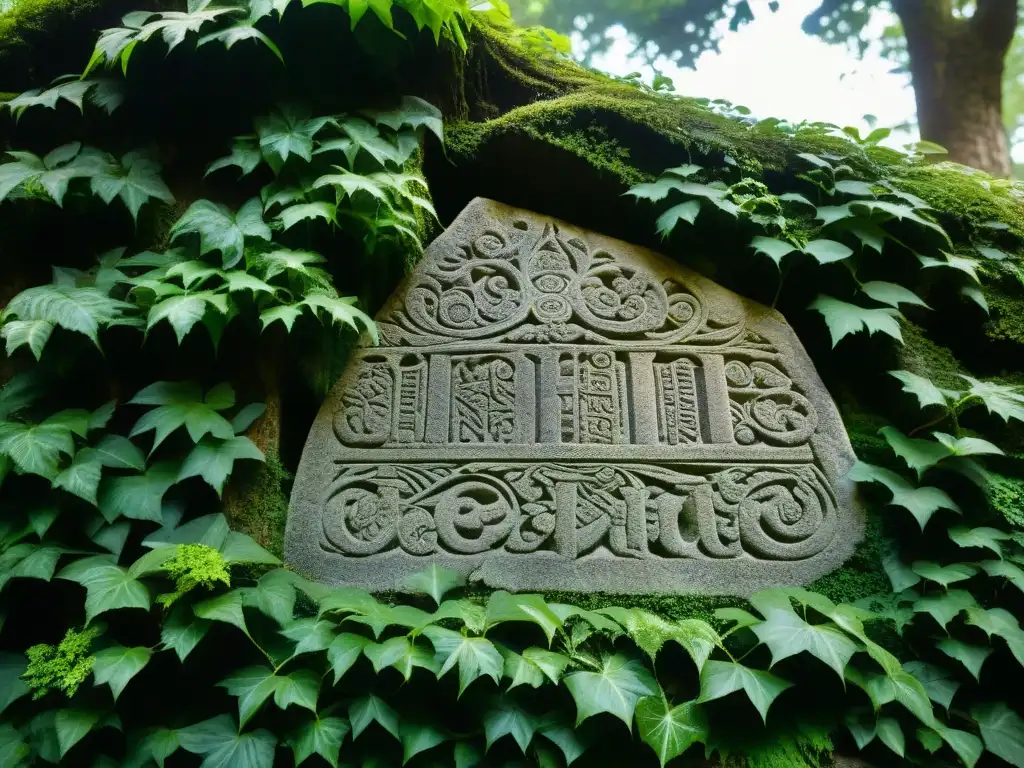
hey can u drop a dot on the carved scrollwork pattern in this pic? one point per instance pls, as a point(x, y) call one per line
point(765, 407)
point(634, 511)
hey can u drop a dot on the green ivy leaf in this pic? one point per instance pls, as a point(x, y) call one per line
point(983, 537)
point(773, 248)
point(827, 251)
point(909, 692)
point(889, 731)
point(368, 709)
point(939, 684)
point(222, 746)
point(1000, 623)
point(182, 631)
point(221, 230)
point(181, 404)
point(923, 389)
point(668, 730)
point(183, 312)
point(502, 607)
point(117, 665)
point(214, 459)
point(139, 497)
point(616, 688)
point(245, 154)
point(293, 214)
point(534, 667)
point(119, 452)
point(136, 179)
point(301, 687)
point(996, 568)
point(920, 455)
point(31, 333)
point(786, 634)
point(252, 686)
point(474, 656)
point(156, 744)
point(1002, 730)
point(892, 294)
point(504, 717)
point(340, 310)
point(400, 653)
point(108, 586)
point(319, 736)
point(922, 503)
point(12, 685)
point(73, 725)
point(237, 33)
point(843, 319)
point(966, 745)
point(435, 581)
point(238, 547)
point(13, 749)
point(36, 448)
point(273, 596)
point(945, 607)
point(418, 737)
point(720, 678)
point(971, 656)
point(467, 755)
point(1005, 401)
point(344, 651)
point(226, 608)
point(944, 575)
point(682, 212)
point(289, 130)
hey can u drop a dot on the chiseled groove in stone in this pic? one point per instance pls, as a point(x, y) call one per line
point(553, 409)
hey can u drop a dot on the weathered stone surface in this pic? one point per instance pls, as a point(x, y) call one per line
point(554, 409)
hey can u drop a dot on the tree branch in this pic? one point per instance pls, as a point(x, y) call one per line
point(995, 21)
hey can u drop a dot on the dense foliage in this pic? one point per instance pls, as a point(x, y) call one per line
point(140, 628)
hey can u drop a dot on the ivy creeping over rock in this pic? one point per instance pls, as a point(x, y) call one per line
point(196, 233)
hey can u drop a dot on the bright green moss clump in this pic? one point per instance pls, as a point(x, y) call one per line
point(1006, 495)
point(194, 565)
point(61, 667)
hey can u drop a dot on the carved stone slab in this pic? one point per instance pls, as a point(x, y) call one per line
point(553, 409)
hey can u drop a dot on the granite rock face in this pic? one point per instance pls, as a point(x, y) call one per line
point(554, 409)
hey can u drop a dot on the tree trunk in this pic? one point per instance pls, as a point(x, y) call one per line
point(957, 70)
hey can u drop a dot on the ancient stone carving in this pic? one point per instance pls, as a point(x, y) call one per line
point(550, 408)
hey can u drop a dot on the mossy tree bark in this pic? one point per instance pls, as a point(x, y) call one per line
point(957, 69)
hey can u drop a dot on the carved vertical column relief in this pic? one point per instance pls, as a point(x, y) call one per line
point(550, 408)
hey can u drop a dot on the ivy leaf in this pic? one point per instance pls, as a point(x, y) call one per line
point(12, 685)
point(72, 725)
point(400, 653)
point(286, 314)
point(945, 607)
point(292, 263)
point(1009, 571)
point(899, 212)
point(119, 452)
point(31, 333)
point(226, 608)
point(827, 251)
point(786, 634)
point(79, 310)
point(180, 404)
point(184, 311)
point(221, 230)
point(504, 717)
point(1000, 399)
point(368, 709)
point(321, 736)
point(289, 130)
point(300, 687)
point(273, 596)
point(222, 746)
point(773, 248)
point(502, 607)
point(413, 112)
point(108, 586)
point(136, 179)
point(117, 665)
point(236, 33)
point(36, 448)
point(156, 744)
point(214, 459)
point(310, 635)
point(922, 503)
point(682, 212)
point(889, 731)
point(245, 154)
point(533, 667)
point(475, 656)
point(971, 656)
point(720, 678)
point(82, 477)
point(1002, 730)
point(139, 497)
point(975, 294)
point(830, 214)
point(892, 294)
point(939, 684)
point(923, 389)
point(435, 581)
point(418, 737)
point(987, 538)
point(182, 631)
point(293, 214)
point(13, 749)
point(966, 745)
point(944, 575)
point(909, 692)
point(670, 731)
point(920, 455)
point(252, 686)
point(1001, 623)
point(340, 310)
point(616, 688)
point(344, 651)
point(843, 319)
